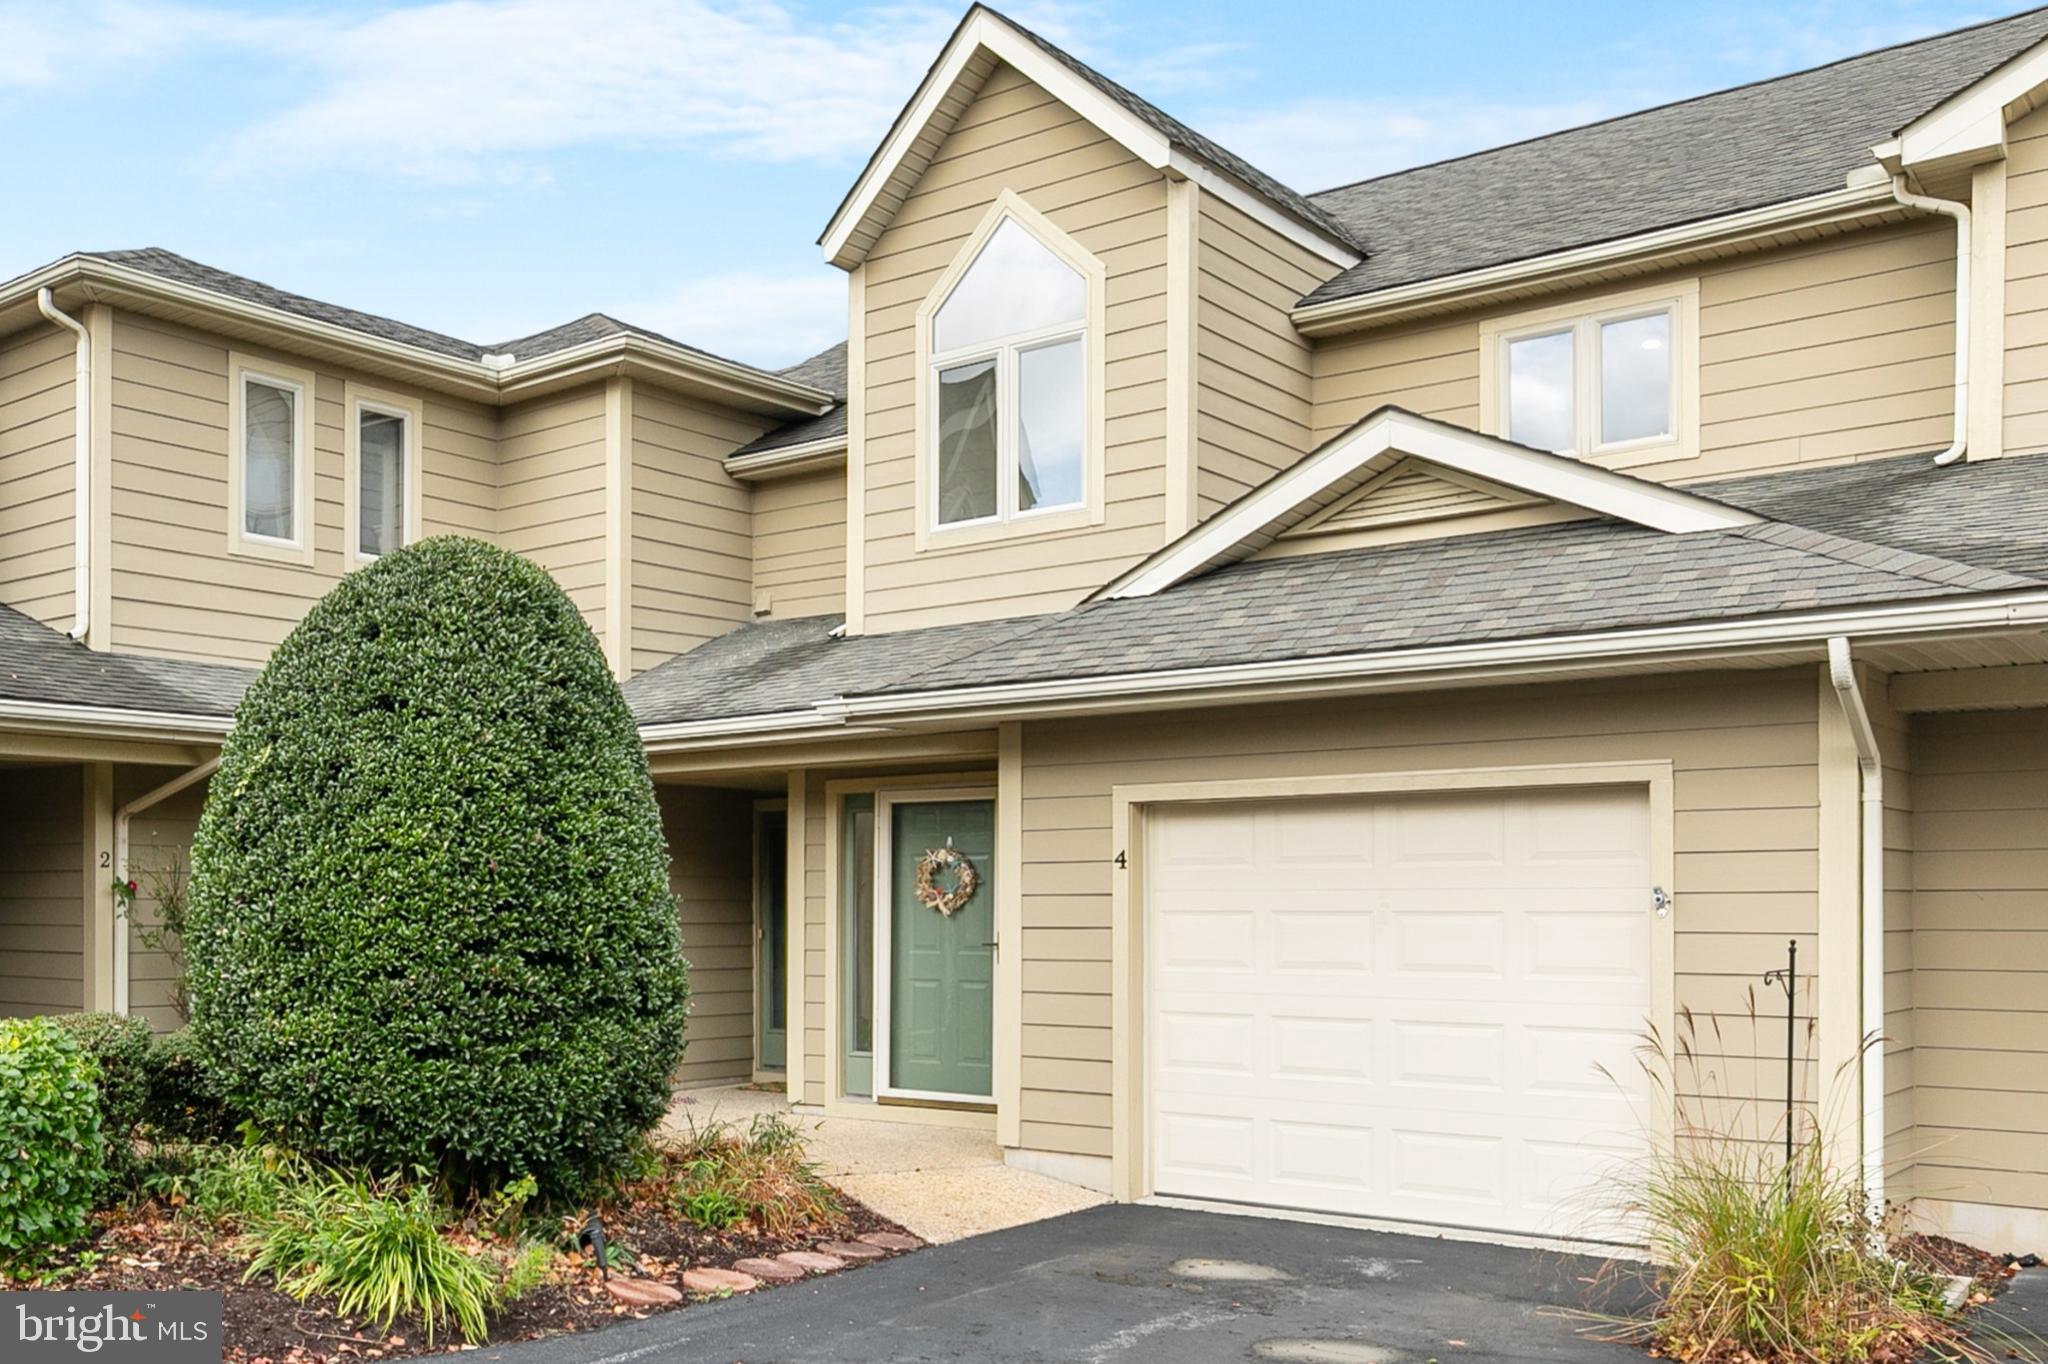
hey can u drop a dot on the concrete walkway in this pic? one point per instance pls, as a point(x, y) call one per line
point(943, 1183)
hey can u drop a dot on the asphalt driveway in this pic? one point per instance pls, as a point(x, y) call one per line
point(1137, 1285)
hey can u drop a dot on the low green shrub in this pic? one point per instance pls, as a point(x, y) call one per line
point(376, 1248)
point(182, 1100)
point(722, 1176)
point(119, 1047)
point(52, 1159)
point(223, 1183)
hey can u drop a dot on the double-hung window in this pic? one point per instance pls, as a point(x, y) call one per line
point(383, 481)
point(1613, 380)
point(1008, 386)
point(270, 479)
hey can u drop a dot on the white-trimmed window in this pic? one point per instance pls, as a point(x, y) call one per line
point(1615, 380)
point(270, 455)
point(1011, 381)
point(384, 479)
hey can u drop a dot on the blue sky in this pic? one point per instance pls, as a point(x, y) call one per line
point(491, 167)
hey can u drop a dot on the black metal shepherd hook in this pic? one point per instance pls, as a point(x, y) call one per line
point(1788, 976)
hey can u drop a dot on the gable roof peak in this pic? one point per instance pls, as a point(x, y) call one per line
point(1389, 435)
point(985, 37)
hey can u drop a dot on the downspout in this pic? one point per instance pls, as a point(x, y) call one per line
point(1961, 213)
point(122, 817)
point(1870, 1044)
point(81, 496)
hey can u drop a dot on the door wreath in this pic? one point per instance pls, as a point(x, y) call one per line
point(965, 880)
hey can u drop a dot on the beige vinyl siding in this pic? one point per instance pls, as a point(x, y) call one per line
point(1016, 136)
point(1980, 956)
point(38, 413)
point(2026, 285)
point(176, 588)
point(800, 544)
point(458, 467)
point(42, 870)
point(1825, 352)
point(551, 467)
point(159, 857)
point(1744, 748)
point(691, 524)
point(710, 840)
point(1895, 743)
point(1253, 370)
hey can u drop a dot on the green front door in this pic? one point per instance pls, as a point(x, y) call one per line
point(942, 967)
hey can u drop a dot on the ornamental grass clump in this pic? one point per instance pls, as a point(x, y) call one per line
point(429, 920)
point(1757, 1257)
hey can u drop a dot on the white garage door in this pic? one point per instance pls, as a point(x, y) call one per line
point(1398, 1007)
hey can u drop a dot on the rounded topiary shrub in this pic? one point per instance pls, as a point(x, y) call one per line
point(50, 1150)
point(430, 921)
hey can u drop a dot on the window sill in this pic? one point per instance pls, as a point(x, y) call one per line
point(941, 538)
point(292, 556)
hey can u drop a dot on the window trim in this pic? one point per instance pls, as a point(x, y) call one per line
point(243, 370)
point(357, 399)
point(1584, 318)
point(1006, 524)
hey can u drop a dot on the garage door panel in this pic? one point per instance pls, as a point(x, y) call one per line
point(1422, 1008)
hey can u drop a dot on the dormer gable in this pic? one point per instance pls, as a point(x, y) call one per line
point(1393, 464)
point(986, 40)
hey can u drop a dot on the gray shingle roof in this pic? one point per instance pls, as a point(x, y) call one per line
point(1889, 530)
point(1721, 153)
point(1992, 512)
point(170, 265)
point(1575, 578)
point(826, 370)
point(38, 663)
point(788, 665)
point(590, 327)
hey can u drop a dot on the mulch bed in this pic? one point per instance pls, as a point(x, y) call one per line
point(1941, 1255)
point(149, 1250)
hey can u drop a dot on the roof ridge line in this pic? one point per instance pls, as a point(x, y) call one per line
point(1875, 554)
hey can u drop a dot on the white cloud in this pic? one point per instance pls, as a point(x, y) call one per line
point(1315, 144)
point(469, 89)
point(753, 316)
point(43, 44)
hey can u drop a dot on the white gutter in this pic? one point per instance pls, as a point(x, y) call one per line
point(1870, 762)
point(113, 722)
point(1343, 314)
point(81, 459)
point(122, 818)
point(1486, 660)
point(825, 452)
point(1961, 213)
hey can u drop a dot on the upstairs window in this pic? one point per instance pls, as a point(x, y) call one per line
point(1008, 366)
point(270, 479)
point(1614, 380)
point(383, 489)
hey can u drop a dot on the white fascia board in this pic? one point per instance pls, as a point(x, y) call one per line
point(987, 32)
point(98, 277)
point(1544, 475)
point(984, 31)
point(822, 721)
point(1459, 664)
point(743, 381)
point(788, 459)
point(1846, 204)
point(1969, 126)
